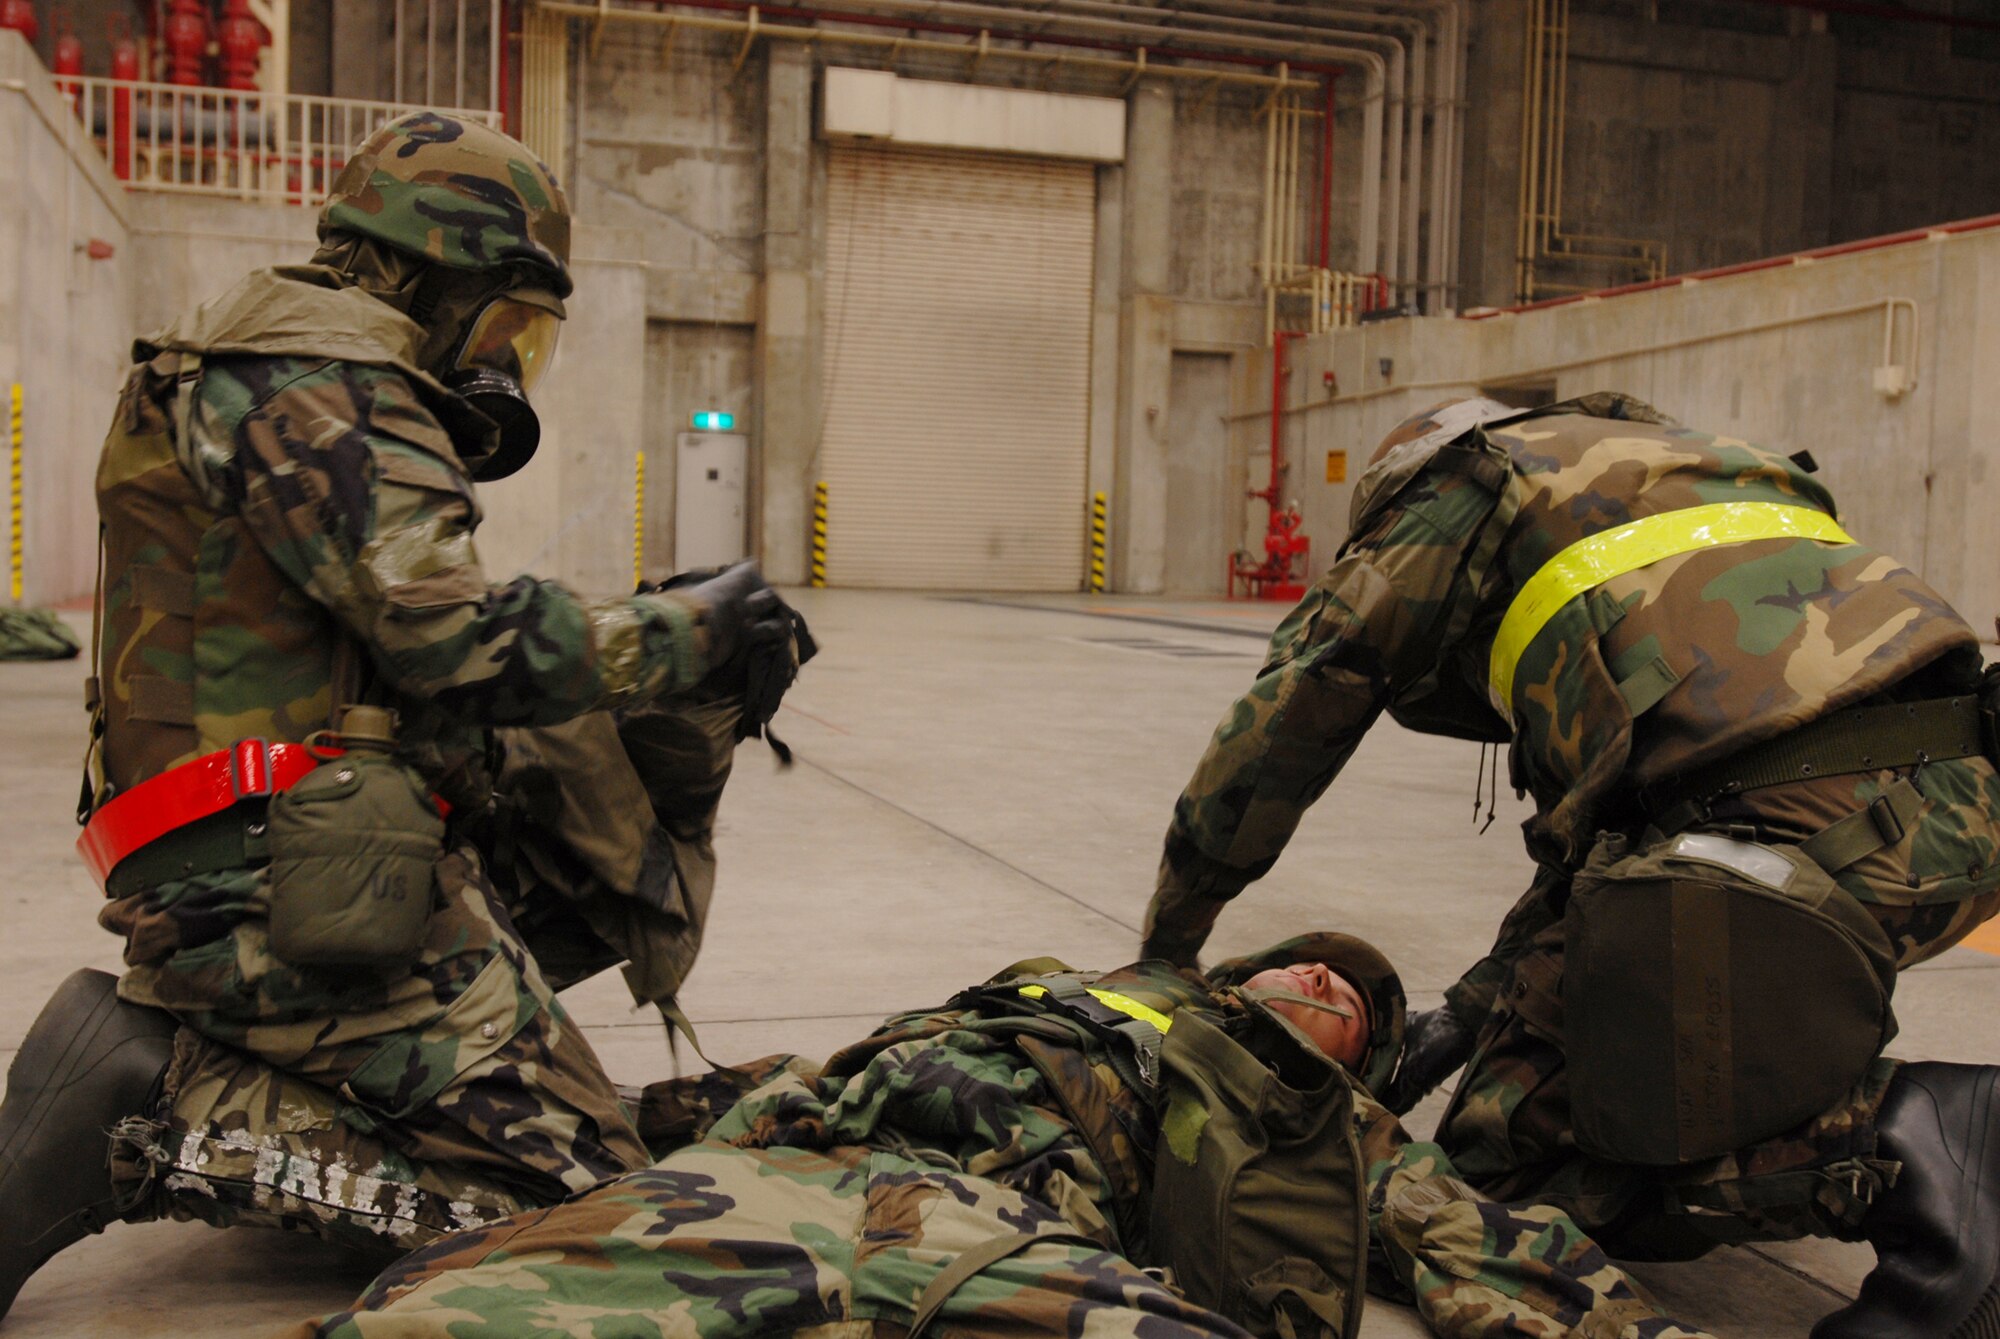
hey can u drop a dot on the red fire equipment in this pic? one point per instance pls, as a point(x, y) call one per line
point(186, 41)
point(241, 39)
point(69, 47)
point(1287, 553)
point(125, 68)
point(20, 16)
point(68, 58)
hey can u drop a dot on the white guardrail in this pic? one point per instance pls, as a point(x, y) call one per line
point(219, 141)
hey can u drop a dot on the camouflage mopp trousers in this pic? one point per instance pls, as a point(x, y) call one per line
point(373, 1108)
point(721, 1240)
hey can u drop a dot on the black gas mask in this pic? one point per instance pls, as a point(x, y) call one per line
point(503, 354)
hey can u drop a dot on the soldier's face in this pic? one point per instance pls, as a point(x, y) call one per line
point(1344, 1040)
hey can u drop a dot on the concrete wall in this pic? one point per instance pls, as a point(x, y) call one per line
point(67, 324)
point(1779, 132)
point(719, 171)
point(65, 320)
point(1917, 476)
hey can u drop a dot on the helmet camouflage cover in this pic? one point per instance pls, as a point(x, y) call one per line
point(455, 192)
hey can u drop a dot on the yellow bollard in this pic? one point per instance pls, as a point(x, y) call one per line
point(1097, 545)
point(819, 534)
point(638, 520)
point(14, 496)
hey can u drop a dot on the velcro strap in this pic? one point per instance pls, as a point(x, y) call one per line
point(167, 701)
point(163, 591)
point(1883, 821)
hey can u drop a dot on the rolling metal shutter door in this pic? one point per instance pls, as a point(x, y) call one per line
point(957, 369)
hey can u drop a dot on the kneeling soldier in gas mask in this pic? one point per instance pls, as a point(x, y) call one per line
point(328, 1019)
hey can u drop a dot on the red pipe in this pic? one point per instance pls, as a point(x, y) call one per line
point(1286, 551)
point(1979, 224)
point(961, 30)
point(1270, 492)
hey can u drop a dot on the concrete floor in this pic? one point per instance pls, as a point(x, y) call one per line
point(978, 781)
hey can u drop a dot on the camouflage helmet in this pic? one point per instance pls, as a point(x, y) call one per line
point(1365, 968)
point(455, 192)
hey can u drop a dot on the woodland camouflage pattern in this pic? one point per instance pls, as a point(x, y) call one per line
point(287, 522)
point(794, 1197)
point(455, 192)
point(402, 1103)
point(1756, 638)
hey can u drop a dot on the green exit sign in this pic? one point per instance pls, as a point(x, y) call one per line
point(713, 420)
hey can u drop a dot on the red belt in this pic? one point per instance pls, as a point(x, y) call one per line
point(249, 769)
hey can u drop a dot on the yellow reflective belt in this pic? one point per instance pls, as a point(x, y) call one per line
point(1124, 1004)
point(1594, 560)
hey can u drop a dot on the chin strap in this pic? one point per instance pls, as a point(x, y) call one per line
point(1273, 995)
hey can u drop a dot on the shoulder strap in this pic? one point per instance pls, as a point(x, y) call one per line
point(970, 1263)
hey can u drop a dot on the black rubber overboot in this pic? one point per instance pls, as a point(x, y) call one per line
point(89, 1061)
point(1936, 1232)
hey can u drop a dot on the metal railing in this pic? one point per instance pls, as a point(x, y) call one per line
point(219, 141)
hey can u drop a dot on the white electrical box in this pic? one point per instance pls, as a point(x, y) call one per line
point(711, 500)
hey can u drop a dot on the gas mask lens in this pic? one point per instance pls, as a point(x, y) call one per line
point(514, 335)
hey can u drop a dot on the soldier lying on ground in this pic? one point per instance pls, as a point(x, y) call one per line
point(1025, 1161)
point(1762, 758)
point(330, 1019)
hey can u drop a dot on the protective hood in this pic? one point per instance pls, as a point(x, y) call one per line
point(1365, 968)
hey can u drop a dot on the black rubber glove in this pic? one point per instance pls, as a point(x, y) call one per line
point(1435, 1044)
point(771, 665)
point(740, 609)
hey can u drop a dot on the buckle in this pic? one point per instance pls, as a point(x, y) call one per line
point(250, 776)
point(1888, 824)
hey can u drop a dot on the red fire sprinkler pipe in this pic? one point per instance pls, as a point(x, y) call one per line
point(1287, 553)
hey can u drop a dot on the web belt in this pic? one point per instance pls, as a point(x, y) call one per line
point(1860, 739)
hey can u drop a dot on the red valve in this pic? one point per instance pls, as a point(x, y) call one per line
point(186, 41)
point(242, 40)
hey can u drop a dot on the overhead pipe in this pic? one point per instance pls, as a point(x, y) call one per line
point(561, 10)
point(1398, 202)
point(1445, 30)
point(1313, 57)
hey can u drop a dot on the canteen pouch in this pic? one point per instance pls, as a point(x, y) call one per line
point(1258, 1204)
point(1715, 993)
point(354, 846)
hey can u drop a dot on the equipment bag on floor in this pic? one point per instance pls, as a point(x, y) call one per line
point(35, 634)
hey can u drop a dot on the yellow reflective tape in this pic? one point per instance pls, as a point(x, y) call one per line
point(1124, 1004)
point(1132, 1008)
point(1596, 559)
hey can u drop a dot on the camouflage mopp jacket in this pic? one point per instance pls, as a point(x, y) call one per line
point(287, 521)
point(1056, 1117)
point(1653, 671)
